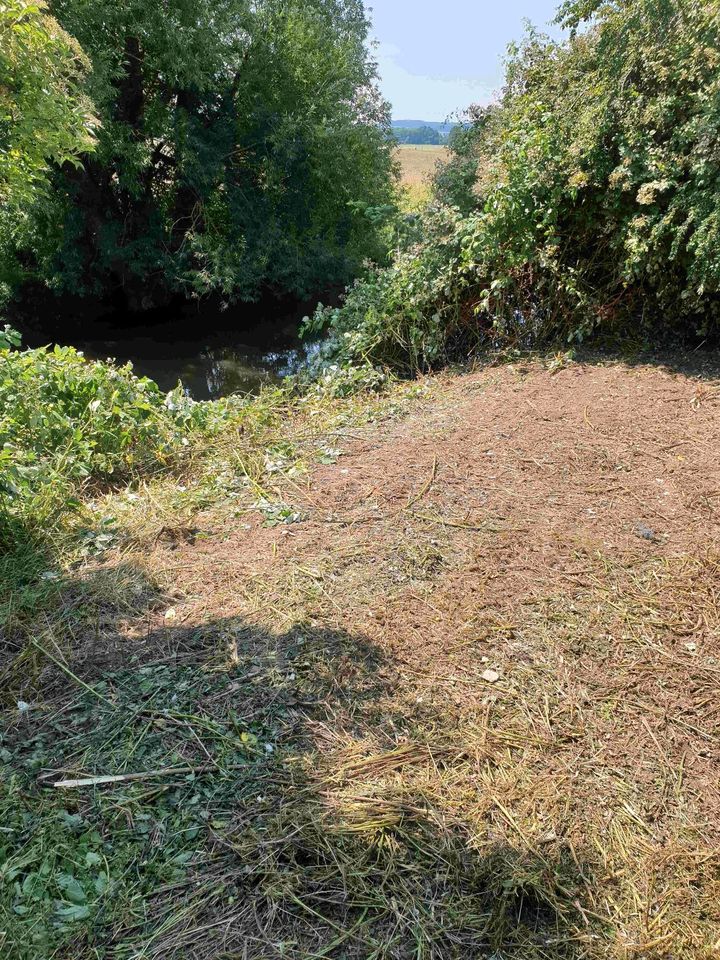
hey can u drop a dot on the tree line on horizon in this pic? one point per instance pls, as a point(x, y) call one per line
point(419, 136)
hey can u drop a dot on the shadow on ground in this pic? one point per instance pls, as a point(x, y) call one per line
point(238, 833)
point(700, 363)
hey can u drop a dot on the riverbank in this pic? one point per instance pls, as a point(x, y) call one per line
point(427, 672)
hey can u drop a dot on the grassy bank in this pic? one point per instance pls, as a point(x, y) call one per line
point(384, 675)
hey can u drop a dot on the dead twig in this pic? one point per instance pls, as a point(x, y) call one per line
point(125, 777)
point(426, 487)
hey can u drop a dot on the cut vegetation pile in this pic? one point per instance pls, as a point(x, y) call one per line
point(427, 675)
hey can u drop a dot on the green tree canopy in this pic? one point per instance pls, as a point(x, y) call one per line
point(241, 144)
point(45, 117)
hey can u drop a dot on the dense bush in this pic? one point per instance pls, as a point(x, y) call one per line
point(239, 146)
point(585, 202)
point(66, 422)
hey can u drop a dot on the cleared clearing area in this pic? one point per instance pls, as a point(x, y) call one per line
point(466, 706)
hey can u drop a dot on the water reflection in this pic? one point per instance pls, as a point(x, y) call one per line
point(216, 366)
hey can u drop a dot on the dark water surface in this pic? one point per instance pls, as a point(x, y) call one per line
point(213, 352)
point(210, 366)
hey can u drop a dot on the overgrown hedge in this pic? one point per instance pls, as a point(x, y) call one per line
point(585, 202)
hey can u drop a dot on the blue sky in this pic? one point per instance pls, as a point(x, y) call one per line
point(437, 56)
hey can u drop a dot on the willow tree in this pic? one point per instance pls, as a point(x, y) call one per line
point(241, 144)
point(45, 117)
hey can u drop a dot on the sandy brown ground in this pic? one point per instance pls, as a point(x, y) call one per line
point(508, 601)
point(534, 561)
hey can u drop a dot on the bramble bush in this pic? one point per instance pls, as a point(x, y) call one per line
point(585, 203)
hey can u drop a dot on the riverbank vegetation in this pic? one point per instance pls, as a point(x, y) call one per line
point(67, 426)
point(584, 203)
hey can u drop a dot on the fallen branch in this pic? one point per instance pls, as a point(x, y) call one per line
point(123, 777)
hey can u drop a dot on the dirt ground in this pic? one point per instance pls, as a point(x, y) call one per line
point(486, 662)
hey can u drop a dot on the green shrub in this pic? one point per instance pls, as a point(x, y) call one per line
point(585, 203)
point(338, 381)
point(66, 422)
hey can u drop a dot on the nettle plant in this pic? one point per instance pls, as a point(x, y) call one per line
point(66, 422)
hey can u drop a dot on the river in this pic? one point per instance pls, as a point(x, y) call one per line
point(214, 353)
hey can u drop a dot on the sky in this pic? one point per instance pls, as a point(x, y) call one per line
point(438, 56)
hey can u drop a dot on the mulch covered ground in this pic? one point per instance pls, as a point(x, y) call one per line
point(483, 672)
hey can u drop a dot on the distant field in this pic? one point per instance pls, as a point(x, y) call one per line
point(418, 162)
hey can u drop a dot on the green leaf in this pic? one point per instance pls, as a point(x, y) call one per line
point(72, 888)
point(73, 914)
